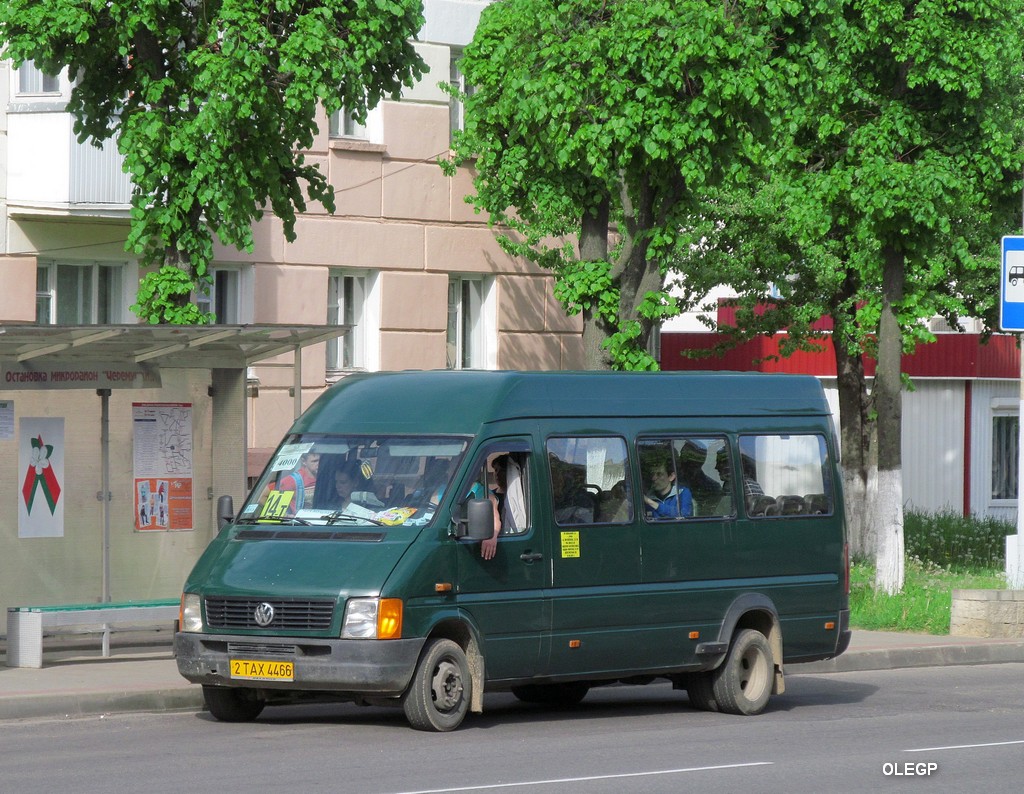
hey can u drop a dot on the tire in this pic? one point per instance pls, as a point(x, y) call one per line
point(743, 684)
point(441, 688)
point(232, 705)
point(558, 695)
point(700, 688)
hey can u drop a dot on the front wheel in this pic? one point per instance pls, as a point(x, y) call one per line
point(232, 705)
point(439, 694)
point(743, 684)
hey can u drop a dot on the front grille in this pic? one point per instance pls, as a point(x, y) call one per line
point(259, 649)
point(240, 613)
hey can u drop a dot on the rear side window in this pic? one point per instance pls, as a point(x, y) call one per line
point(589, 481)
point(685, 477)
point(785, 475)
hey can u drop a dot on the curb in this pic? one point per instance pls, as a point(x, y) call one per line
point(928, 656)
point(91, 704)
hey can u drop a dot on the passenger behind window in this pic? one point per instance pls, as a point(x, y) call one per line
point(573, 503)
point(724, 469)
point(662, 498)
point(706, 492)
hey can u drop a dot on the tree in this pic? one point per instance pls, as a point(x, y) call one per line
point(883, 208)
point(602, 123)
point(211, 102)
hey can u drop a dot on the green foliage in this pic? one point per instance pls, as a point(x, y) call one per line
point(950, 540)
point(945, 552)
point(923, 605)
point(623, 112)
point(212, 103)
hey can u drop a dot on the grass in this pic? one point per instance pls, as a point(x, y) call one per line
point(945, 552)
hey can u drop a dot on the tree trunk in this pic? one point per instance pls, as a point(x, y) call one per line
point(888, 398)
point(856, 431)
point(594, 248)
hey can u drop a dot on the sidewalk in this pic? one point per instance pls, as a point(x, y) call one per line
point(80, 683)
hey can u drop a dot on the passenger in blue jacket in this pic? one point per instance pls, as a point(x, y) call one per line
point(664, 499)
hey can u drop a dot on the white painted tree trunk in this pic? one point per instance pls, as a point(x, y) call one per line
point(888, 520)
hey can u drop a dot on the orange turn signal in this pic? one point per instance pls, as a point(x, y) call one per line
point(389, 619)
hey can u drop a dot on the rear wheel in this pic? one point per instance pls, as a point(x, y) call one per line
point(569, 694)
point(439, 694)
point(743, 684)
point(232, 705)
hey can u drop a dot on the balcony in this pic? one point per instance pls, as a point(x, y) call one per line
point(51, 174)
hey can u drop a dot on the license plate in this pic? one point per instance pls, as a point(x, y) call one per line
point(261, 670)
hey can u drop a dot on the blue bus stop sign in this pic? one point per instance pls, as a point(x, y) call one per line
point(1011, 290)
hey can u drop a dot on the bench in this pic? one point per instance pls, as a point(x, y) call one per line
point(25, 625)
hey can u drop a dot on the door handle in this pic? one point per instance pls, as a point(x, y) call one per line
point(531, 556)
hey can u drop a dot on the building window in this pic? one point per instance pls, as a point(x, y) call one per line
point(78, 294)
point(224, 297)
point(469, 323)
point(456, 108)
point(32, 81)
point(342, 125)
point(346, 295)
point(1005, 435)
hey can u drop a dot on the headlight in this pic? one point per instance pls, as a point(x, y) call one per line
point(372, 619)
point(191, 613)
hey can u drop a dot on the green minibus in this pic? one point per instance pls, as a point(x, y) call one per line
point(422, 538)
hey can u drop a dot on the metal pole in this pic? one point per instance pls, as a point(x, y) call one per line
point(297, 380)
point(104, 395)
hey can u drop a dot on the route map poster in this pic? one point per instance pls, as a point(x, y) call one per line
point(162, 452)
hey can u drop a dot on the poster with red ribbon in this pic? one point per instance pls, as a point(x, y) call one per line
point(41, 478)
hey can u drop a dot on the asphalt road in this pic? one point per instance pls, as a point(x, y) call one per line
point(955, 729)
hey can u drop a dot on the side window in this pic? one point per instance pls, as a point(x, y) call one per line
point(504, 476)
point(665, 497)
point(785, 475)
point(589, 481)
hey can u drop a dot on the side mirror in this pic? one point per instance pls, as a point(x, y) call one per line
point(225, 512)
point(479, 521)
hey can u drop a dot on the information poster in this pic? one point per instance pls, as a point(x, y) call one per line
point(162, 451)
point(6, 420)
point(41, 478)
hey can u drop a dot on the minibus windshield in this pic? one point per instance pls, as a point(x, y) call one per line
point(318, 479)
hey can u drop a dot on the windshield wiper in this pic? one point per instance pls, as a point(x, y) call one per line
point(338, 515)
point(274, 520)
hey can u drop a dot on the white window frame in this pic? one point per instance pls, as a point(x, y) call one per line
point(347, 294)
point(471, 337)
point(342, 125)
point(48, 292)
point(1003, 408)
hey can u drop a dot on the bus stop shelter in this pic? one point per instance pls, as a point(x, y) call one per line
point(62, 371)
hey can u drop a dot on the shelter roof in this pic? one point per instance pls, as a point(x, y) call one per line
point(165, 346)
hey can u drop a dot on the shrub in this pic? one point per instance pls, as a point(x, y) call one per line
point(956, 542)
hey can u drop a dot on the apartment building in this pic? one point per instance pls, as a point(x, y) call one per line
point(411, 274)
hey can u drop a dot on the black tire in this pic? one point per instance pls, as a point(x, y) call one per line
point(232, 705)
point(441, 688)
point(558, 695)
point(743, 683)
point(700, 688)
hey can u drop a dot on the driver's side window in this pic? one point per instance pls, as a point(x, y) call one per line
point(503, 476)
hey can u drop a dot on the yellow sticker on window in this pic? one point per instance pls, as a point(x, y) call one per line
point(277, 504)
point(570, 544)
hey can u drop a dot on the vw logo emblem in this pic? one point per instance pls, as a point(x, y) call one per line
point(264, 614)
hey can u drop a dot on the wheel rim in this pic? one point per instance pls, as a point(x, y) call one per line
point(753, 670)
point(447, 686)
